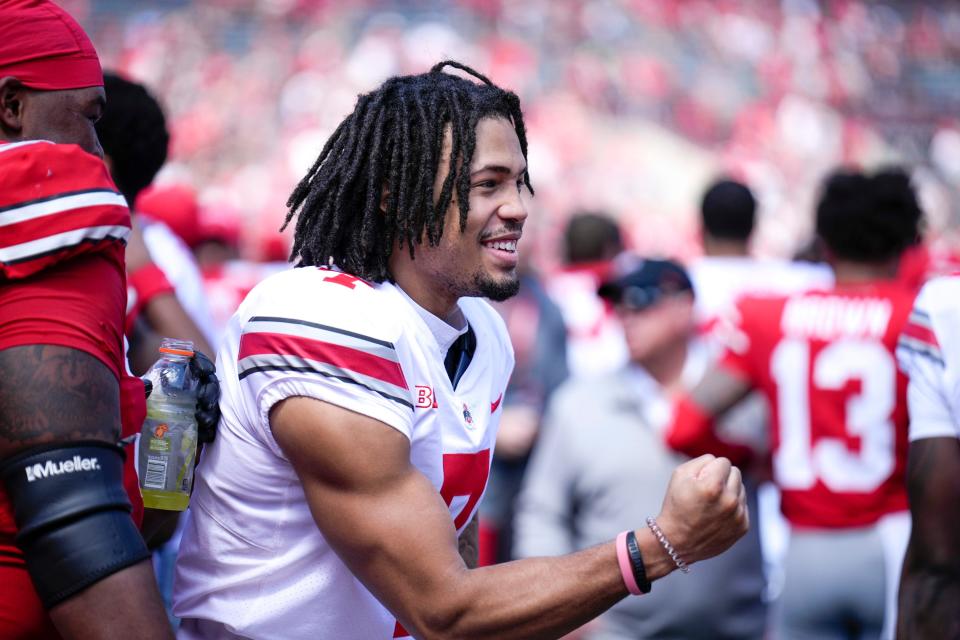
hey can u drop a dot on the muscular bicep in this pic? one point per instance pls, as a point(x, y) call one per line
point(382, 516)
point(51, 393)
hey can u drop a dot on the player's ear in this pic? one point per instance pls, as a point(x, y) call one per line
point(11, 105)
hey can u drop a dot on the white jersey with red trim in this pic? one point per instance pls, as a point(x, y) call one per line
point(252, 561)
point(929, 352)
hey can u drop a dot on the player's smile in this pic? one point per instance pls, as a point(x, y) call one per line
point(502, 249)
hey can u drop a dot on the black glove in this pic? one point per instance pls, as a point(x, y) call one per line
point(208, 397)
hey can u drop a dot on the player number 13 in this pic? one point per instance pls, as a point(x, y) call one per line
point(799, 461)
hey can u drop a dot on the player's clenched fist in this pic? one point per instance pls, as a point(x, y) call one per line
point(705, 509)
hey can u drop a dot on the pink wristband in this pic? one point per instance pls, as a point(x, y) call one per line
point(626, 569)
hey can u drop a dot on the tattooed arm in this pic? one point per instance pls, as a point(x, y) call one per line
point(930, 584)
point(51, 394)
point(469, 543)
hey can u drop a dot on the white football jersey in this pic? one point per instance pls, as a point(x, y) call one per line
point(252, 560)
point(929, 353)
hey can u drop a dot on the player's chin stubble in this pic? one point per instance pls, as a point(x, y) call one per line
point(497, 290)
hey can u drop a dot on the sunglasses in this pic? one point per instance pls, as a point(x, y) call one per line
point(635, 298)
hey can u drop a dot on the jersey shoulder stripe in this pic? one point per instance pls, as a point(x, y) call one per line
point(920, 328)
point(918, 336)
point(270, 343)
point(58, 245)
point(56, 202)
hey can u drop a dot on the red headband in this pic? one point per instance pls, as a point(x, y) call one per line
point(44, 48)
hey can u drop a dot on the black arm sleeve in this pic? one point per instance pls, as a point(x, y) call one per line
point(72, 515)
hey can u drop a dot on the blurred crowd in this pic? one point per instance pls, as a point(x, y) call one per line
point(632, 105)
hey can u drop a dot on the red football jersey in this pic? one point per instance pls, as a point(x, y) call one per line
point(56, 202)
point(825, 361)
point(63, 225)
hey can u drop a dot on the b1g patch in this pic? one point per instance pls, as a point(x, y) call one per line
point(425, 397)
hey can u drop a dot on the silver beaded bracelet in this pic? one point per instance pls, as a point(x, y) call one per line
point(677, 560)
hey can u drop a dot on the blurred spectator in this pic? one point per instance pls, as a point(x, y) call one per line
point(214, 233)
point(134, 136)
point(591, 238)
point(228, 283)
point(601, 464)
point(539, 340)
point(727, 271)
point(218, 238)
point(174, 208)
point(595, 339)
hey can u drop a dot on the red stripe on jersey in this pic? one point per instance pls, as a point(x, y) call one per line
point(44, 173)
point(347, 358)
point(921, 333)
point(63, 221)
point(399, 631)
point(109, 246)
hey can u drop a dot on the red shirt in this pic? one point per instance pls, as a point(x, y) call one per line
point(63, 227)
point(825, 361)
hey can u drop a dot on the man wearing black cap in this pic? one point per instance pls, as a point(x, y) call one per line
point(601, 463)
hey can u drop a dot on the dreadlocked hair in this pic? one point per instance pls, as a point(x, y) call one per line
point(391, 146)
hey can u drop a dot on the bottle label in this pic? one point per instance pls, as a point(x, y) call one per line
point(159, 445)
point(156, 474)
point(158, 440)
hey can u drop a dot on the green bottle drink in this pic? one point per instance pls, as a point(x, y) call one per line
point(168, 440)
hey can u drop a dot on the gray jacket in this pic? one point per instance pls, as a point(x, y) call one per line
point(599, 468)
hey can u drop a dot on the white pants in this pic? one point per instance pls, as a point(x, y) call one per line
point(842, 583)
